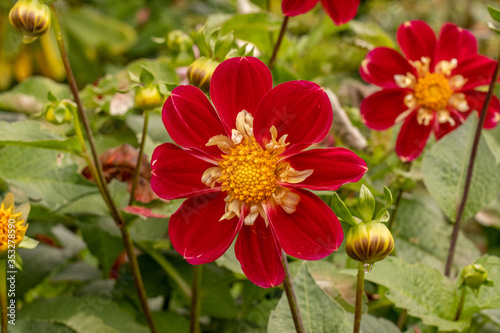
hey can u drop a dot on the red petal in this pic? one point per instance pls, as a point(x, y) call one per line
point(300, 109)
point(191, 120)
point(239, 84)
point(455, 42)
point(475, 100)
point(380, 110)
point(175, 173)
point(412, 138)
point(259, 255)
point(478, 70)
point(332, 167)
point(380, 66)
point(196, 232)
point(297, 7)
point(442, 129)
point(310, 233)
point(416, 40)
point(341, 11)
point(143, 212)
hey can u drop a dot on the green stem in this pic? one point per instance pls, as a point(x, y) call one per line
point(137, 170)
point(470, 169)
point(100, 180)
point(402, 319)
point(359, 297)
point(194, 326)
point(290, 295)
point(461, 303)
point(278, 42)
point(3, 294)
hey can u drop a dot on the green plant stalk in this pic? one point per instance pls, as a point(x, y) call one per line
point(470, 169)
point(461, 303)
point(278, 42)
point(402, 319)
point(290, 295)
point(127, 241)
point(3, 294)
point(137, 170)
point(194, 326)
point(360, 286)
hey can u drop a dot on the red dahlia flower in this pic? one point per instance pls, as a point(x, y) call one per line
point(340, 11)
point(431, 90)
point(243, 170)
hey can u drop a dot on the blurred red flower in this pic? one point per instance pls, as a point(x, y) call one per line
point(244, 171)
point(340, 11)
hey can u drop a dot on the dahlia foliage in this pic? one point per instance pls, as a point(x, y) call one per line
point(431, 88)
point(245, 173)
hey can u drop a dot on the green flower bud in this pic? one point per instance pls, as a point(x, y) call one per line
point(200, 72)
point(31, 17)
point(369, 242)
point(60, 112)
point(474, 276)
point(147, 98)
point(178, 41)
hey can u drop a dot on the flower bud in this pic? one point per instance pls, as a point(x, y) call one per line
point(178, 41)
point(474, 276)
point(200, 72)
point(60, 112)
point(147, 98)
point(369, 242)
point(31, 17)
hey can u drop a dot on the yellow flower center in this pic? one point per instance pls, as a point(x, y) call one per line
point(433, 91)
point(6, 231)
point(248, 172)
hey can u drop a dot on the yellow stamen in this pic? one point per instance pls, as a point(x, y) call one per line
point(433, 91)
point(8, 218)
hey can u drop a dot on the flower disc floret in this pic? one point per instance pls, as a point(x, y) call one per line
point(248, 172)
point(10, 219)
point(433, 91)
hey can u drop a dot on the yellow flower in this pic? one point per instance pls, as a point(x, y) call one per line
point(12, 224)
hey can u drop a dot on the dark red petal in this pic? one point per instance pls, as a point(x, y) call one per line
point(442, 129)
point(380, 66)
point(341, 11)
point(259, 254)
point(239, 84)
point(455, 42)
point(478, 70)
point(175, 173)
point(300, 109)
point(416, 40)
point(475, 100)
point(297, 7)
point(196, 232)
point(191, 120)
point(310, 233)
point(380, 110)
point(332, 167)
point(412, 138)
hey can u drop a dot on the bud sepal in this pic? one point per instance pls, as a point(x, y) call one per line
point(474, 276)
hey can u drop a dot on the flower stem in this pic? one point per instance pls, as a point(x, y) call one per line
point(461, 303)
point(137, 170)
point(470, 169)
point(290, 295)
point(3, 294)
point(99, 175)
point(402, 319)
point(194, 326)
point(278, 42)
point(360, 286)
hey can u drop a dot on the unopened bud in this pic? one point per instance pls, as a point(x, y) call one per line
point(31, 17)
point(60, 112)
point(369, 242)
point(178, 41)
point(200, 72)
point(147, 98)
point(474, 276)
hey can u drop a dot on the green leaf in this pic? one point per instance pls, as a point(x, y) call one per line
point(495, 13)
point(422, 235)
point(31, 95)
point(424, 291)
point(340, 209)
point(320, 314)
point(28, 243)
point(161, 68)
point(366, 204)
point(223, 46)
point(51, 97)
point(372, 33)
point(45, 176)
point(444, 169)
point(388, 200)
point(371, 324)
point(39, 326)
point(147, 78)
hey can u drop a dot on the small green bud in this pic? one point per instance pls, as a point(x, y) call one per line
point(31, 18)
point(369, 242)
point(200, 72)
point(147, 98)
point(60, 112)
point(474, 276)
point(178, 41)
